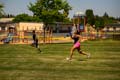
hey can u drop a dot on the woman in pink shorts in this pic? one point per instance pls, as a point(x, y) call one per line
point(77, 46)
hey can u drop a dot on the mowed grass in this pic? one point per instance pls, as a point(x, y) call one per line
point(23, 62)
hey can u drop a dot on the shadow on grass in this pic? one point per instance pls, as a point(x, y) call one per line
point(81, 60)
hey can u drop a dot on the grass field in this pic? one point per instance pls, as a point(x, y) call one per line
point(23, 62)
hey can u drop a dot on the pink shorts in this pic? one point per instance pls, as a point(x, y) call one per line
point(77, 44)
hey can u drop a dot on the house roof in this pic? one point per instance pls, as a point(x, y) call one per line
point(6, 20)
point(113, 25)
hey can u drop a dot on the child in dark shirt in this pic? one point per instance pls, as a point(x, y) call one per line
point(35, 40)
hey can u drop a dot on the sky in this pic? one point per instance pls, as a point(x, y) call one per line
point(99, 7)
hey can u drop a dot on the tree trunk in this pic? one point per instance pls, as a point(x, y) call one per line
point(44, 35)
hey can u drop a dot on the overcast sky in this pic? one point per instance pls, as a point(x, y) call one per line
point(99, 7)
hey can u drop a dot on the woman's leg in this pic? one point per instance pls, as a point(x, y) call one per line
point(71, 52)
point(81, 52)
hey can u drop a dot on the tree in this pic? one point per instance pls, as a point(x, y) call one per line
point(106, 15)
point(99, 23)
point(106, 18)
point(90, 17)
point(1, 10)
point(22, 18)
point(50, 11)
point(26, 18)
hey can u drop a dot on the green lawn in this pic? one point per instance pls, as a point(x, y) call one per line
point(23, 62)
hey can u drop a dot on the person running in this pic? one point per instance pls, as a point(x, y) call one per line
point(35, 41)
point(77, 46)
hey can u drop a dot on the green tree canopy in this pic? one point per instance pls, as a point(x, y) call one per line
point(26, 18)
point(108, 20)
point(90, 16)
point(106, 15)
point(99, 23)
point(50, 10)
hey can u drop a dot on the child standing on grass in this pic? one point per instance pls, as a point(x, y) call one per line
point(77, 46)
point(35, 40)
point(9, 36)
